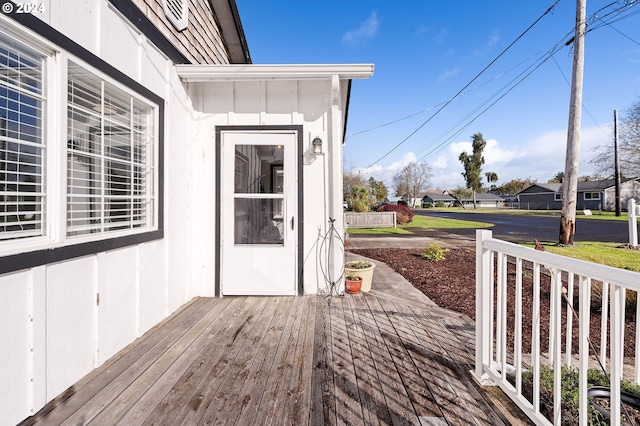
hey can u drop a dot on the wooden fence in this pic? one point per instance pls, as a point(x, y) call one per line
point(370, 220)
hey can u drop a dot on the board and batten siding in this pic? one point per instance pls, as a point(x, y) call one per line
point(60, 321)
point(262, 103)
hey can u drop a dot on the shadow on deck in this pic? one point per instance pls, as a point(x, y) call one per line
point(386, 357)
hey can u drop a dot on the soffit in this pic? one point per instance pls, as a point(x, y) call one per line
point(249, 72)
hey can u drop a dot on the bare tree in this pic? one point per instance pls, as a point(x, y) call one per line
point(628, 146)
point(412, 180)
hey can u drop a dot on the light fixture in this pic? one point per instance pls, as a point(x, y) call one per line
point(317, 145)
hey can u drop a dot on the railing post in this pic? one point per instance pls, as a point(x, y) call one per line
point(483, 313)
point(633, 226)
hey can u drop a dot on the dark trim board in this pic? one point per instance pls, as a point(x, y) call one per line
point(300, 257)
point(45, 256)
point(146, 27)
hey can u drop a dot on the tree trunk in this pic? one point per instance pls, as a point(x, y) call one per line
point(570, 184)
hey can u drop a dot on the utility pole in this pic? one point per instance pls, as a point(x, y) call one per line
point(570, 184)
point(617, 162)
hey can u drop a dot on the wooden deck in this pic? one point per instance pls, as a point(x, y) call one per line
point(365, 359)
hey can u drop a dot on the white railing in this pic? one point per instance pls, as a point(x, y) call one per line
point(634, 212)
point(507, 277)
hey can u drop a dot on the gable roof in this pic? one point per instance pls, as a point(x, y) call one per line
point(594, 185)
point(438, 196)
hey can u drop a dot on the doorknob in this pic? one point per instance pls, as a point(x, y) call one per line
point(292, 222)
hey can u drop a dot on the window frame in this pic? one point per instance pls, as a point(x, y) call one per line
point(54, 245)
point(591, 195)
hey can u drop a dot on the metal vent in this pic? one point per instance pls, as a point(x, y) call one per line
point(177, 11)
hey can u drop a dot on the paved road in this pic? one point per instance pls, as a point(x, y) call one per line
point(518, 228)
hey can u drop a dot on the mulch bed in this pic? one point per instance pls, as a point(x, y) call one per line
point(450, 283)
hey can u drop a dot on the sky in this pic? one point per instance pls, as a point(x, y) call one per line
point(448, 69)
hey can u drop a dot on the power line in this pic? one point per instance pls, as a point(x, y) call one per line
point(469, 83)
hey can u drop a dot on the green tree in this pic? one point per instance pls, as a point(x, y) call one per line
point(378, 189)
point(359, 200)
point(492, 178)
point(514, 186)
point(461, 194)
point(473, 163)
point(558, 178)
point(351, 180)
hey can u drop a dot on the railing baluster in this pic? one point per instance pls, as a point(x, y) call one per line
point(517, 343)
point(501, 326)
point(603, 324)
point(556, 354)
point(569, 332)
point(617, 342)
point(535, 338)
point(584, 349)
point(492, 281)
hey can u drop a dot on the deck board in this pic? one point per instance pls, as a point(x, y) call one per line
point(364, 359)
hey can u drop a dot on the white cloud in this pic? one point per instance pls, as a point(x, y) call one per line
point(448, 74)
point(538, 158)
point(361, 35)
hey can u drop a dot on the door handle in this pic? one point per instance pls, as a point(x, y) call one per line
point(292, 222)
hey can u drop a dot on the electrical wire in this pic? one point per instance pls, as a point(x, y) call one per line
point(469, 83)
point(614, 16)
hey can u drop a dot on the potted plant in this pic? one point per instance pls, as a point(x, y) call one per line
point(352, 283)
point(362, 268)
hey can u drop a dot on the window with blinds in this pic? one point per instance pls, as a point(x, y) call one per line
point(110, 165)
point(22, 146)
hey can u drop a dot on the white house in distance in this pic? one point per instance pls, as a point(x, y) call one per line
point(144, 161)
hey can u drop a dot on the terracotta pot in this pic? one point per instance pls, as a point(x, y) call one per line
point(365, 273)
point(352, 286)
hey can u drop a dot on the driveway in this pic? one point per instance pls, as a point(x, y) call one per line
point(516, 228)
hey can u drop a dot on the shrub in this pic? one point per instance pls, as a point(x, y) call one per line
point(434, 252)
point(403, 213)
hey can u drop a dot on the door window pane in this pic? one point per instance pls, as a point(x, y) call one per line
point(257, 221)
point(258, 169)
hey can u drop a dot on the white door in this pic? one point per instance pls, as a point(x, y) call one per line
point(258, 206)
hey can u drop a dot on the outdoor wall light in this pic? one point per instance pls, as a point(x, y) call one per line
point(317, 145)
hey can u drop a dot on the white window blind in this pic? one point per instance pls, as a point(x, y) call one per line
point(22, 149)
point(110, 161)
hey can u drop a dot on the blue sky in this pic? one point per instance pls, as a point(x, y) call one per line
point(425, 52)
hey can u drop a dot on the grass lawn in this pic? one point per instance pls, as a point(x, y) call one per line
point(421, 222)
point(598, 252)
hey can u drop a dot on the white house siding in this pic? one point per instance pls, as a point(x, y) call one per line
point(255, 103)
point(59, 321)
point(628, 190)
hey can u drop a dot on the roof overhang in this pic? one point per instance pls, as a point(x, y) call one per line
point(251, 72)
point(228, 19)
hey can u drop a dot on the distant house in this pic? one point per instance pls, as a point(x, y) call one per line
point(438, 199)
point(594, 195)
point(482, 199)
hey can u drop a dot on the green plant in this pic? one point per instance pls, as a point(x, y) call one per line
point(358, 264)
point(570, 392)
point(352, 276)
point(434, 252)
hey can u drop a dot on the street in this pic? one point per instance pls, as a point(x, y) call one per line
point(521, 228)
